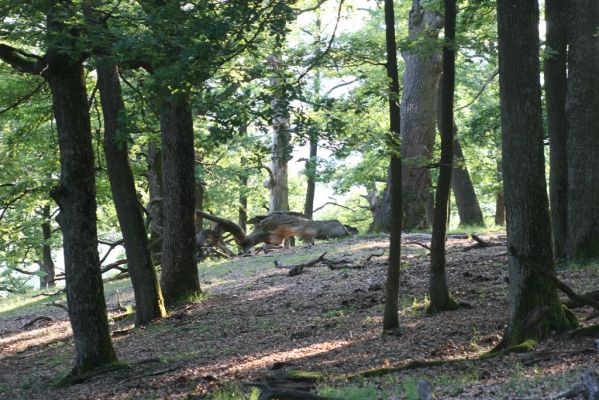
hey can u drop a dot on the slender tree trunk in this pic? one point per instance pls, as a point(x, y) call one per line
point(440, 299)
point(76, 197)
point(463, 190)
point(390, 316)
point(556, 16)
point(199, 204)
point(154, 174)
point(149, 304)
point(418, 114)
point(47, 280)
point(243, 200)
point(311, 175)
point(582, 108)
point(281, 140)
point(535, 309)
point(499, 198)
point(179, 277)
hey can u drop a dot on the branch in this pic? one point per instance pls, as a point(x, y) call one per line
point(24, 98)
point(114, 265)
point(112, 247)
point(332, 203)
point(21, 61)
point(480, 91)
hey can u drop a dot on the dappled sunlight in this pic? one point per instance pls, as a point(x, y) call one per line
point(43, 335)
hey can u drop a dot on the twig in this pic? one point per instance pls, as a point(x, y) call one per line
point(48, 294)
point(420, 244)
point(57, 304)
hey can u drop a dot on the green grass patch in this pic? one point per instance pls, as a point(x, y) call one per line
point(16, 304)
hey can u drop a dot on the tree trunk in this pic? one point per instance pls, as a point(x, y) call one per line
point(311, 175)
point(179, 277)
point(149, 304)
point(154, 174)
point(281, 140)
point(76, 197)
point(582, 108)
point(463, 190)
point(390, 316)
point(199, 204)
point(499, 198)
point(47, 280)
point(418, 111)
point(440, 299)
point(556, 16)
point(535, 309)
point(243, 199)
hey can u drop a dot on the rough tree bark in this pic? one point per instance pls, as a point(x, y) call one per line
point(440, 299)
point(500, 216)
point(463, 190)
point(418, 115)
point(179, 276)
point(535, 309)
point(47, 265)
point(582, 105)
point(556, 17)
point(390, 315)
point(149, 304)
point(62, 67)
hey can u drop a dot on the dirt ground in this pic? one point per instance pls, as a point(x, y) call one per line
point(255, 319)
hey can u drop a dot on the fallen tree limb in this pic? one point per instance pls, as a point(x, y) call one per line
point(375, 255)
point(420, 244)
point(481, 244)
point(283, 393)
point(333, 265)
point(57, 304)
point(576, 304)
point(297, 269)
point(114, 265)
point(535, 357)
point(36, 319)
point(48, 294)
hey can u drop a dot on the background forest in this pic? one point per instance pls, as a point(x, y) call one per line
point(142, 140)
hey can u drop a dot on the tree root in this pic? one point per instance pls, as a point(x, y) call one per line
point(75, 377)
point(591, 330)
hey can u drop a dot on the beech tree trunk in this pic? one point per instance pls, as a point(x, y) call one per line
point(179, 276)
point(582, 108)
point(463, 190)
point(243, 199)
point(440, 299)
point(556, 17)
point(149, 304)
point(47, 266)
point(418, 115)
point(199, 204)
point(535, 309)
point(500, 198)
point(281, 140)
point(391, 314)
point(76, 197)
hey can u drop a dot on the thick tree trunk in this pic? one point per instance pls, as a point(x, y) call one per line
point(154, 174)
point(281, 141)
point(440, 299)
point(556, 16)
point(311, 176)
point(381, 213)
point(390, 315)
point(463, 190)
point(582, 108)
point(47, 266)
point(179, 276)
point(149, 304)
point(418, 115)
point(199, 204)
point(76, 197)
point(534, 306)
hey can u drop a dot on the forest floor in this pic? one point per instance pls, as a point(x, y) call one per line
point(255, 321)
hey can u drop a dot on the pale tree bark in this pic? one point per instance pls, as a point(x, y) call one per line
point(582, 108)
point(418, 115)
point(281, 139)
point(535, 309)
point(556, 17)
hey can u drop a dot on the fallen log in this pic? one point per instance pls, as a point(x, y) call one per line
point(274, 228)
point(297, 269)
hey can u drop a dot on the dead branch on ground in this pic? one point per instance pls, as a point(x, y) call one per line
point(36, 319)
